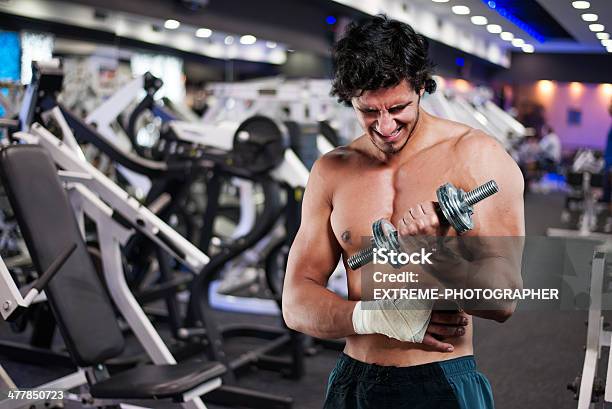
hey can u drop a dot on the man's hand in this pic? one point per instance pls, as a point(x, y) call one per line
point(409, 321)
point(422, 219)
point(442, 325)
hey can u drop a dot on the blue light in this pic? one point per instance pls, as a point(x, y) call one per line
point(507, 14)
point(459, 61)
point(330, 20)
point(10, 56)
point(10, 60)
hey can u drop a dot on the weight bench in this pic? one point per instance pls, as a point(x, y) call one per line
point(79, 302)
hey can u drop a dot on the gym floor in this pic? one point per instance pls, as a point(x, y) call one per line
point(529, 359)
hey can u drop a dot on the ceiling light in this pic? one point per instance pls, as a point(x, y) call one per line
point(589, 17)
point(603, 36)
point(606, 43)
point(229, 40)
point(609, 49)
point(248, 39)
point(494, 28)
point(440, 1)
point(517, 42)
point(172, 24)
point(576, 88)
point(479, 20)
point(545, 86)
point(461, 10)
point(596, 27)
point(203, 32)
point(506, 36)
point(581, 5)
point(271, 44)
point(528, 48)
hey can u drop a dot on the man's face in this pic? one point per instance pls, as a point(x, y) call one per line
point(388, 115)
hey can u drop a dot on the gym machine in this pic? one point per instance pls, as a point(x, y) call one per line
point(177, 138)
point(304, 106)
point(259, 165)
point(170, 180)
point(80, 303)
point(306, 109)
point(582, 208)
point(127, 212)
point(12, 305)
point(589, 388)
point(117, 216)
point(294, 195)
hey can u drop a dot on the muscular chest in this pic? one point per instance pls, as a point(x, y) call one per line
point(382, 193)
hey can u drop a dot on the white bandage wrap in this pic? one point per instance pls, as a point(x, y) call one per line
point(405, 320)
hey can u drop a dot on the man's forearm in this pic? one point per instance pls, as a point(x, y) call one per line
point(494, 273)
point(490, 273)
point(479, 263)
point(316, 311)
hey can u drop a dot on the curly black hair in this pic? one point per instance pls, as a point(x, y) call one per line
point(379, 53)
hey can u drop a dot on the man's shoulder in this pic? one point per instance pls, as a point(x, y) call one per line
point(333, 167)
point(486, 158)
point(338, 158)
point(472, 142)
point(329, 164)
point(446, 126)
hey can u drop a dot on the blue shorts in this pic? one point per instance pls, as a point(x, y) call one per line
point(452, 384)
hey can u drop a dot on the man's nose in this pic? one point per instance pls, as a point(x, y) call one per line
point(386, 123)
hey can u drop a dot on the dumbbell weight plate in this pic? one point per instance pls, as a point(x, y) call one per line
point(454, 209)
point(385, 236)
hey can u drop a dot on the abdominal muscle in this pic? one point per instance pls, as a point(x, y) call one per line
point(382, 350)
point(385, 351)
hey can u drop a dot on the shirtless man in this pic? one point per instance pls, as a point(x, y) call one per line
point(392, 171)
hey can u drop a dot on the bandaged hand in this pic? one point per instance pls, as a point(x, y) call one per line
point(404, 320)
point(409, 321)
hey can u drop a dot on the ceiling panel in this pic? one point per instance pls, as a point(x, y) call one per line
point(559, 25)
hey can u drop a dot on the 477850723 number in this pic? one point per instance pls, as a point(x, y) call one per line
point(28, 394)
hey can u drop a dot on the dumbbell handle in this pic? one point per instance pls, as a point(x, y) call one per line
point(481, 192)
point(361, 258)
point(385, 234)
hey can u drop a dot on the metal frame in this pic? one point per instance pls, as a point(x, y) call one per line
point(11, 300)
point(597, 336)
point(10, 297)
point(124, 208)
point(127, 215)
point(104, 116)
point(64, 383)
point(588, 217)
point(307, 100)
point(94, 194)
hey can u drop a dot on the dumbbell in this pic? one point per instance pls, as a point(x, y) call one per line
point(455, 205)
